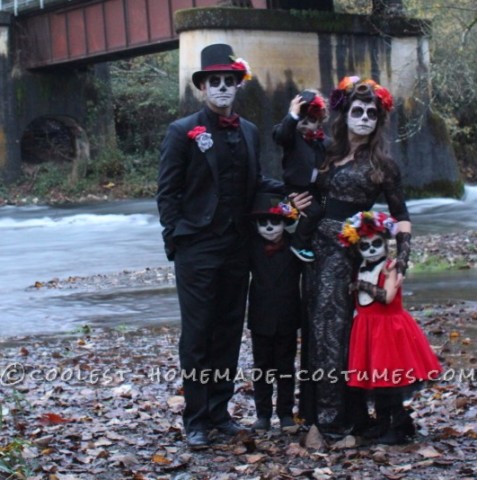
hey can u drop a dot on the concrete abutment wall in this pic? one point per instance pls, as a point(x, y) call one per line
point(9, 149)
point(25, 96)
point(316, 49)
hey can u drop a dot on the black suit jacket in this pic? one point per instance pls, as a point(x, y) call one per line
point(299, 156)
point(188, 191)
point(274, 296)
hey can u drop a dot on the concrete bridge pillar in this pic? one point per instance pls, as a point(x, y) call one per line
point(290, 51)
point(9, 148)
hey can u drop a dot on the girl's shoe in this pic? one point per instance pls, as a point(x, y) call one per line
point(393, 436)
point(402, 429)
point(380, 427)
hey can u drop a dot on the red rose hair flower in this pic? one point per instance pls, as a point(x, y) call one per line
point(385, 97)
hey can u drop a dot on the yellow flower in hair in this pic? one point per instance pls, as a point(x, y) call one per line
point(350, 234)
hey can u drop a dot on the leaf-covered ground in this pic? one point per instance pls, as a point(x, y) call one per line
point(106, 405)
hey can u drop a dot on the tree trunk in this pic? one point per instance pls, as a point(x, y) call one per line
point(388, 7)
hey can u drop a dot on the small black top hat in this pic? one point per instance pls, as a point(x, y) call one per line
point(216, 58)
point(267, 205)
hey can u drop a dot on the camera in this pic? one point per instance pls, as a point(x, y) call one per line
point(308, 97)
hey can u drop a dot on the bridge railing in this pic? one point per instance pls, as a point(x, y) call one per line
point(18, 6)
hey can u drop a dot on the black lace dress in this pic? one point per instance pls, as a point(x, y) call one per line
point(324, 399)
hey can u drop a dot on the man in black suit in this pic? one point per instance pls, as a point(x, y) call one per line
point(208, 176)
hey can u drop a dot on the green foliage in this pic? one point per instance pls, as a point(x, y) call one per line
point(454, 69)
point(111, 174)
point(108, 164)
point(12, 463)
point(453, 53)
point(145, 94)
point(49, 176)
point(434, 264)
point(438, 188)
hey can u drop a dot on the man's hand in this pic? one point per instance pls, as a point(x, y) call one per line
point(300, 201)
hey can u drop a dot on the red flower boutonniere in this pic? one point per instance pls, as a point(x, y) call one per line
point(200, 135)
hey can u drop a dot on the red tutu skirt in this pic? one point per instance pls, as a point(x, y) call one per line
point(388, 348)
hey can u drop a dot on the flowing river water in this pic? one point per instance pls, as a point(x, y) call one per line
point(39, 243)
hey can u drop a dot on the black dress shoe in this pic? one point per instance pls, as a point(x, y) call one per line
point(230, 428)
point(197, 439)
point(262, 424)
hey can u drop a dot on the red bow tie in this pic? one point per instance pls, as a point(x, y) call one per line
point(271, 248)
point(316, 135)
point(229, 122)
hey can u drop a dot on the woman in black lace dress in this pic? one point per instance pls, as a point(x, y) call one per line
point(356, 172)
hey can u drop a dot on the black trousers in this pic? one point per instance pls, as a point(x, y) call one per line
point(212, 275)
point(274, 356)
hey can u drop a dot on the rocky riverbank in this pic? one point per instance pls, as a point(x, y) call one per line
point(434, 252)
point(106, 404)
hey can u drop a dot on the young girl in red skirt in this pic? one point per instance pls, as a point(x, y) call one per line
point(389, 354)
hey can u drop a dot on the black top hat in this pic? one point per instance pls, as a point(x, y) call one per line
point(216, 58)
point(267, 205)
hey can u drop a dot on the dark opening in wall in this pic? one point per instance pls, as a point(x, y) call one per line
point(49, 139)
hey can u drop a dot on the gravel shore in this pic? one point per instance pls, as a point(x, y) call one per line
point(429, 252)
point(107, 403)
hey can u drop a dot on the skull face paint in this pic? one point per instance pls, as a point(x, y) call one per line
point(372, 248)
point(220, 90)
point(270, 229)
point(362, 118)
point(308, 124)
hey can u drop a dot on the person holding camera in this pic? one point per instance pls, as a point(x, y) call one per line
point(301, 136)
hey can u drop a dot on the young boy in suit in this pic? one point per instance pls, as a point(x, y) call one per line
point(274, 311)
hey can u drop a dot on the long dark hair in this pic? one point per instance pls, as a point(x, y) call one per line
point(374, 149)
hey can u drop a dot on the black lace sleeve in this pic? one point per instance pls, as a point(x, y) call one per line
point(394, 192)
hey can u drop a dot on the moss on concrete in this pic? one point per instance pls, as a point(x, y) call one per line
point(439, 188)
point(295, 21)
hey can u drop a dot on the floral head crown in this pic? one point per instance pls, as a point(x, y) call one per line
point(365, 224)
point(349, 84)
